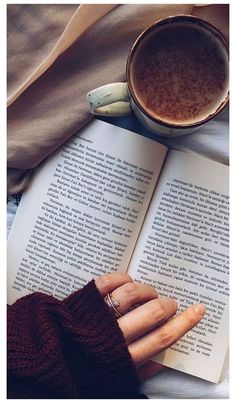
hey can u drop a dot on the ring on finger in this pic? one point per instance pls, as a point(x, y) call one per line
point(112, 304)
point(132, 294)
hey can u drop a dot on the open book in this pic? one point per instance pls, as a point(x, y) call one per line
point(113, 200)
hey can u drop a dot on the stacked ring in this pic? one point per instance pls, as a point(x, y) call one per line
point(112, 305)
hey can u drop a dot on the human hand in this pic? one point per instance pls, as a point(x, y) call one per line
point(149, 328)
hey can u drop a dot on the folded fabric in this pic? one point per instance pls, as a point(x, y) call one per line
point(56, 54)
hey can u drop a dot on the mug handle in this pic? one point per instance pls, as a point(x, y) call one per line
point(110, 100)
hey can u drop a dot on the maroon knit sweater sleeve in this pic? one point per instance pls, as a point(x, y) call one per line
point(67, 349)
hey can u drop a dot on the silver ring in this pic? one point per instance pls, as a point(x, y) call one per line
point(112, 305)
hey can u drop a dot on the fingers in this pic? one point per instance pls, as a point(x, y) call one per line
point(109, 282)
point(144, 318)
point(123, 289)
point(159, 339)
point(132, 293)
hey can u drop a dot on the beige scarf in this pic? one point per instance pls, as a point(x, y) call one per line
point(56, 54)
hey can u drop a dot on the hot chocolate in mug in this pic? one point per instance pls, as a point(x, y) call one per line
point(177, 78)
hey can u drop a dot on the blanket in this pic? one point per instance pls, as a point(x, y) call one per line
point(56, 54)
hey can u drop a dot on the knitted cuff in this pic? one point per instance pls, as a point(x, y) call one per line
point(105, 368)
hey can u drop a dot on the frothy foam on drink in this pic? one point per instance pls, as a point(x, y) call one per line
point(180, 73)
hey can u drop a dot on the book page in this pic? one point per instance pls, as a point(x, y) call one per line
point(183, 252)
point(83, 210)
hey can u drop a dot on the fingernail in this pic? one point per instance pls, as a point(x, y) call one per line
point(199, 309)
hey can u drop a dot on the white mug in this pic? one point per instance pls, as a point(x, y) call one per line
point(119, 99)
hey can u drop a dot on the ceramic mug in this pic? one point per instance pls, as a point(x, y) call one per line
point(162, 99)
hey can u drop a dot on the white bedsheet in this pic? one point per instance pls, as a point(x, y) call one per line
point(172, 384)
point(211, 141)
